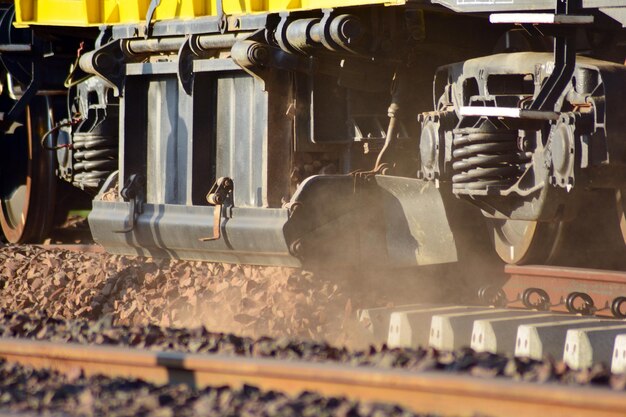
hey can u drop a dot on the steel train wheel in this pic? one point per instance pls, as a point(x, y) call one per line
point(590, 240)
point(525, 242)
point(27, 178)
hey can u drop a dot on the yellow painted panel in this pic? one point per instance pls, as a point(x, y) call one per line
point(80, 12)
point(211, 7)
point(242, 6)
point(110, 11)
point(283, 4)
point(24, 10)
point(319, 4)
point(169, 8)
point(96, 12)
point(133, 11)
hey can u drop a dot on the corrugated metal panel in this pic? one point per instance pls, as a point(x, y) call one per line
point(225, 121)
point(168, 133)
point(242, 138)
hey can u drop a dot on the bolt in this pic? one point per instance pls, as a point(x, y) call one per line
point(105, 62)
point(258, 54)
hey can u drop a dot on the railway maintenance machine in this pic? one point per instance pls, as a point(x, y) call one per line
point(369, 133)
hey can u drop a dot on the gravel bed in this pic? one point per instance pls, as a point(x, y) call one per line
point(245, 300)
point(199, 340)
point(276, 312)
point(23, 389)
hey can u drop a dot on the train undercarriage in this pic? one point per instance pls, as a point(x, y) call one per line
point(318, 137)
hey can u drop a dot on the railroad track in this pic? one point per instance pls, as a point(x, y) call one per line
point(441, 393)
point(575, 290)
point(572, 314)
point(446, 394)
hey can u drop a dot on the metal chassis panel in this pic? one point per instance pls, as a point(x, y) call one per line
point(251, 235)
point(615, 9)
point(519, 5)
point(210, 24)
point(176, 219)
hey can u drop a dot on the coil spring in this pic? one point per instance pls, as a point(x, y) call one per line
point(483, 159)
point(95, 156)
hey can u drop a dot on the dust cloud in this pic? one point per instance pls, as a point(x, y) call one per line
point(245, 300)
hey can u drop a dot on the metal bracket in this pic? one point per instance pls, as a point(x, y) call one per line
point(564, 66)
point(149, 15)
point(108, 63)
point(33, 85)
point(185, 63)
point(259, 59)
point(222, 19)
point(400, 96)
point(221, 196)
point(435, 150)
point(134, 193)
point(560, 25)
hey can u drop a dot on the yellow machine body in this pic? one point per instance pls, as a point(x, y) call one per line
point(85, 13)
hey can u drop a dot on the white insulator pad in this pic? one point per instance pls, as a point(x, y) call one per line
point(376, 320)
point(454, 330)
point(586, 346)
point(411, 328)
point(618, 363)
point(537, 340)
point(498, 335)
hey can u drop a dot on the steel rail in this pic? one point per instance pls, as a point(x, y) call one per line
point(442, 393)
point(602, 285)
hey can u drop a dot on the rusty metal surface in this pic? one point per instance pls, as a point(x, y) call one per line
point(442, 393)
point(602, 285)
point(566, 273)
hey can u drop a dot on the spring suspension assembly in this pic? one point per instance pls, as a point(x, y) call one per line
point(95, 151)
point(486, 158)
point(87, 145)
